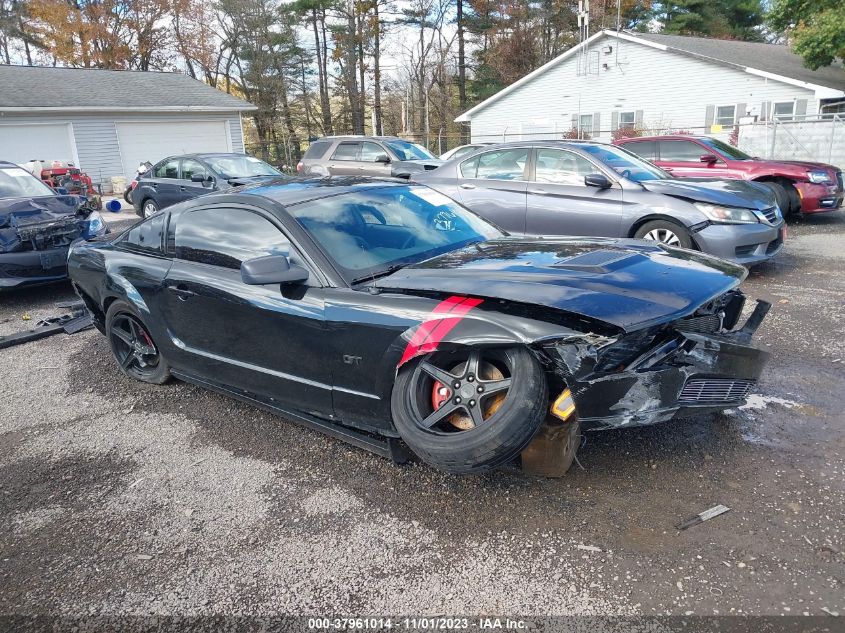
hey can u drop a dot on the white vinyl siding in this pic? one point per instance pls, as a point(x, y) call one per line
point(671, 90)
point(95, 135)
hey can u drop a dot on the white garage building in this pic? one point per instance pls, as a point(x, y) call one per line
point(108, 121)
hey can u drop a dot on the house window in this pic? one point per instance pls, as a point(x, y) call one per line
point(627, 119)
point(783, 110)
point(725, 115)
point(585, 124)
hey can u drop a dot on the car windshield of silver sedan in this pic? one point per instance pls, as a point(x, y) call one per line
point(408, 151)
point(16, 182)
point(371, 232)
point(241, 167)
point(625, 163)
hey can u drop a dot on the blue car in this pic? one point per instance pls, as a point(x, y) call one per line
point(179, 178)
point(37, 225)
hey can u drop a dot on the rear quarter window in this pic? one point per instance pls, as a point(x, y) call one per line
point(147, 236)
point(643, 149)
point(317, 149)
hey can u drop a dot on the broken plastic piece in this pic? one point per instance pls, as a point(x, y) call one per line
point(702, 517)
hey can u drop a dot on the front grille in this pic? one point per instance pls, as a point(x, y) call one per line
point(704, 324)
point(771, 214)
point(715, 390)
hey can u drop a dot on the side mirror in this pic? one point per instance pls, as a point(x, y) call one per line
point(709, 158)
point(383, 158)
point(597, 180)
point(272, 269)
point(197, 177)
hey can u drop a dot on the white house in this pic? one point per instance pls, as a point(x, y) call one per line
point(108, 121)
point(660, 83)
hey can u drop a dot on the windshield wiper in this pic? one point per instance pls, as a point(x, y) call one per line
point(379, 273)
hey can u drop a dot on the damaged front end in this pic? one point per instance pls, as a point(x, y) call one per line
point(35, 235)
point(696, 364)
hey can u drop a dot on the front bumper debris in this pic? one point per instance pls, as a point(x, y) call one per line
point(679, 372)
point(76, 320)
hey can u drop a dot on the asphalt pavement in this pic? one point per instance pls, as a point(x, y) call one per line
point(122, 498)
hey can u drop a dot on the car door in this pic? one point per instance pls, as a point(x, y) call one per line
point(373, 160)
point(682, 158)
point(262, 339)
point(560, 203)
point(163, 186)
point(344, 160)
point(187, 187)
point(493, 185)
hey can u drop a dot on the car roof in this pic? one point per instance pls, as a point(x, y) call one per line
point(665, 137)
point(294, 191)
point(4, 164)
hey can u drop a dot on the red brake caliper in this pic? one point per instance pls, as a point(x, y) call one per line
point(440, 393)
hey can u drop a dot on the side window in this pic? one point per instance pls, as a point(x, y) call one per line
point(346, 151)
point(227, 237)
point(506, 164)
point(643, 149)
point(191, 167)
point(147, 235)
point(317, 149)
point(680, 151)
point(562, 168)
point(167, 169)
point(371, 151)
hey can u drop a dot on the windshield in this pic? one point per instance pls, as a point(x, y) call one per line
point(16, 182)
point(625, 163)
point(371, 231)
point(727, 150)
point(241, 167)
point(408, 151)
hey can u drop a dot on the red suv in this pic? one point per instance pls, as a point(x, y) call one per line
point(800, 187)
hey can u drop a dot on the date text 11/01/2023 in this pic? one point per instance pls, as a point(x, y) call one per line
point(415, 623)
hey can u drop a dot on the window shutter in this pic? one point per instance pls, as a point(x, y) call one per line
point(614, 121)
point(638, 117)
point(596, 122)
point(765, 110)
point(708, 118)
point(800, 109)
point(740, 112)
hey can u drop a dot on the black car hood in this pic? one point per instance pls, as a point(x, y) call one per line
point(626, 283)
point(729, 193)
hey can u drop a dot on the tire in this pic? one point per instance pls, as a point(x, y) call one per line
point(133, 348)
point(148, 208)
point(794, 201)
point(781, 196)
point(665, 232)
point(127, 195)
point(507, 426)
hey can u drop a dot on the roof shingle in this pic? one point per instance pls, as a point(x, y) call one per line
point(85, 89)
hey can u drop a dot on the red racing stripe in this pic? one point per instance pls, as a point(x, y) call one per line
point(430, 333)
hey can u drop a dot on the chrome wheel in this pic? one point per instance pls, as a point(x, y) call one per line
point(665, 236)
point(150, 208)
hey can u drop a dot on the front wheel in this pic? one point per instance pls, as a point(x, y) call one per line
point(470, 411)
point(665, 232)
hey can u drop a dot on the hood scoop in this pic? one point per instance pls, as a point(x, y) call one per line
point(599, 261)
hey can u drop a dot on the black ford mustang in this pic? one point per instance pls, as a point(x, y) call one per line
point(387, 314)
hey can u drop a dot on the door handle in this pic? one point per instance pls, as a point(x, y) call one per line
point(539, 192)
point(181, 291)
point(181, 188)
point(466, 185)
point(668, 169)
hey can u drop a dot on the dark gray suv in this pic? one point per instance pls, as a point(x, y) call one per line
point(595, 189)
point(365, 156)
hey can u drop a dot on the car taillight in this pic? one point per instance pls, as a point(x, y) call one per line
point(298, 167)
point(133, 184)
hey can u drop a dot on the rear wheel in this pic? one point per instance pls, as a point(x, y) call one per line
point(149, 208)
point(665, 232)
point(132, 346)
point(470, 411)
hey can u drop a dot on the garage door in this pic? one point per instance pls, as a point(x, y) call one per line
point(154, 141)
point(20, 143)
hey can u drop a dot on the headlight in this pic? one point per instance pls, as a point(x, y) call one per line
point(819, 177)
point(94, 224)
point(726, 215)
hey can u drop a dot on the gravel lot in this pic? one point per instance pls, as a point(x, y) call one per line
point(121, 498)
